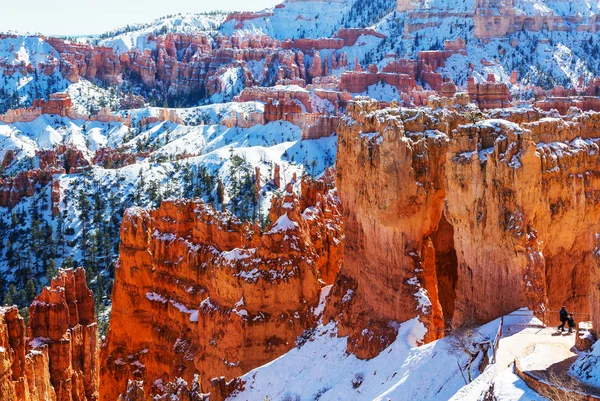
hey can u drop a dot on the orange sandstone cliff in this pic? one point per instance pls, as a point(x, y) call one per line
point(197, 292)
point(390, 174)
point(453, 217)
point(58, 360)
point(24, 374)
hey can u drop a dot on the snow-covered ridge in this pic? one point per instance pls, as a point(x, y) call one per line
point(124, 39)
point(573, 8)
point(17, 50)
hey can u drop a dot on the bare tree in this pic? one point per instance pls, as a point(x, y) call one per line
point(465, 341)
point(562, 388)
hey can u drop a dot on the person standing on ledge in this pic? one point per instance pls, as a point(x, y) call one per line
point(571, 321)
point(563, 318)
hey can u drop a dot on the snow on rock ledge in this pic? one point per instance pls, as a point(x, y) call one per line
point(206, 294)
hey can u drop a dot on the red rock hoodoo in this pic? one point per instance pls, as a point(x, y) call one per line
point(199, 292)
point(63, 318)
point(24, 374)
point(58, 360)
point(53, 161)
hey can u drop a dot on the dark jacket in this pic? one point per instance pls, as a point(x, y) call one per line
point(571, 321)
point(563, 315)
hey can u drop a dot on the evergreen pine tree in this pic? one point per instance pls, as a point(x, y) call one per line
point(9, 298)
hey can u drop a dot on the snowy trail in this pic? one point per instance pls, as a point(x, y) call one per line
point(523, 332)
point(550, 358)
point(540, 350)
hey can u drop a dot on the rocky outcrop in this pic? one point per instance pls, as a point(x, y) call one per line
point(110, 158)
point(199, 292)
point(498, 18)
point(60, 160)
point(24, 374)
point(392, 194)
point(421, 14)
point(351, 35)
point(493, 18)
point(105, 116)
point(169, 115)
point(477, 217)
point(309, 109)
point(345, 37)
point(313, 125)
point(405, 5)
point(297, 94)
point(241, 17)
point(62, 318)
point(359, 81)
point(56, 358)
point(564, 104)
point(243, 119)
point(404, 73)
point(87, 61)
point(13, 189)
point(20, 115)
point(316, 68)
point(490, 94)
point(306, 44)
point(59, 104)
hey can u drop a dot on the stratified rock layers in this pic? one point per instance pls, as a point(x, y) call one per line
point(60, 361)
point(456, 218)
point(199, 292)
point(23, 375)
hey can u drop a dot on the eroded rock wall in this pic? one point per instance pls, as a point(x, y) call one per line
point(534, 196)
point(455, 218)
point(390, 174)
point(199, 292)
point(62, 318)
point(58, 160)
point(24, 375)
point(56, 357)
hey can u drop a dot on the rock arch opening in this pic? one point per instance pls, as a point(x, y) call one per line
point(446, 268)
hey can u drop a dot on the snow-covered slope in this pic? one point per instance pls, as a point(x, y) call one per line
point(587, 366)
point(298, 19)
point(580, 8)
point(319, 368)
point(17, 85)
point(125, 39)
point(26, 50)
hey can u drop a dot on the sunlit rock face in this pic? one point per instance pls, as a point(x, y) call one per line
point(56, 357)
point(454, 217)
point(63, 317)
point(25, 374)
point(197, 292)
